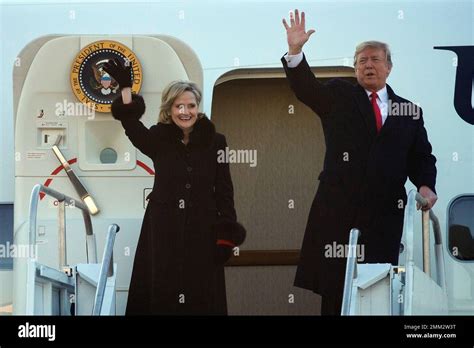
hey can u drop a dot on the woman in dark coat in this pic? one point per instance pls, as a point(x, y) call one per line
point(190, 225)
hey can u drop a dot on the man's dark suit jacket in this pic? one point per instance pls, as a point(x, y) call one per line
point(363, 177)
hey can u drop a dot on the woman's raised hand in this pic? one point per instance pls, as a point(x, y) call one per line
point(121, 74)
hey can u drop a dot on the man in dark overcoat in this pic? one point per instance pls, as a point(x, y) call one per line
point(375, 140)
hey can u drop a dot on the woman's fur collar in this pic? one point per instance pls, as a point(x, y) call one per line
point(203, 132)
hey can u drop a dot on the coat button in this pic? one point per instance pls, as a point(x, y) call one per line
point(188, 186)
point(189, 169)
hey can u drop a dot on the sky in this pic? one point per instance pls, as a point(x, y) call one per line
point(227, 35)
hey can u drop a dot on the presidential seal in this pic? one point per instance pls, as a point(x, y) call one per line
point(89, 81)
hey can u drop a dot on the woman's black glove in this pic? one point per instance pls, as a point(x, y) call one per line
point(223, 253)
point(229, 235)
point(121, 74)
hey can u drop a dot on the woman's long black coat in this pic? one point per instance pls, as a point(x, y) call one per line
point(175, 269)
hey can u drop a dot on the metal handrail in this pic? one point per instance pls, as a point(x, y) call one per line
point(91, 249)
point(351, 263)
point(413, 197)
point(76, 183)
point(351, 271)
point(106, 268)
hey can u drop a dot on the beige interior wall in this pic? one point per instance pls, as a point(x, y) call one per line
point(254, 114)
point(257, 114)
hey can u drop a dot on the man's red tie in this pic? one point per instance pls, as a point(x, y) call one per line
point(378, 114)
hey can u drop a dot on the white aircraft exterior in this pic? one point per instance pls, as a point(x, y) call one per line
point(232, 49)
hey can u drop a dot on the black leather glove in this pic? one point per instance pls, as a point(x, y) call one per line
point(223, 253)
point(121, 74)
point(229, 235)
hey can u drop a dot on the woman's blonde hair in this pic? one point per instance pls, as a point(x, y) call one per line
point(173, 91)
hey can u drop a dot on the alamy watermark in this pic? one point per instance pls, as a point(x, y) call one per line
point(336, 250)
point(9, 250)
point(75, 109)
point(237, 156)
point(28, 330)
point(407, 109)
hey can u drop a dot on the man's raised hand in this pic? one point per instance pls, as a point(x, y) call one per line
point(296, 34)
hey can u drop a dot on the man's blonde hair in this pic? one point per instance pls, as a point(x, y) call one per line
point(173, 91)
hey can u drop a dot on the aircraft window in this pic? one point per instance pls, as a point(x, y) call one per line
point(6, 235)
point(461, 228)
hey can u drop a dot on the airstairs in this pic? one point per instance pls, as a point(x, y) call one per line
point(405, 289)
point(80, 289)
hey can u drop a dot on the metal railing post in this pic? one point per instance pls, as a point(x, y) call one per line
point(425, 221)
point(351, 271)
point(62, 235)
point(427, 216)
point(106, 269)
